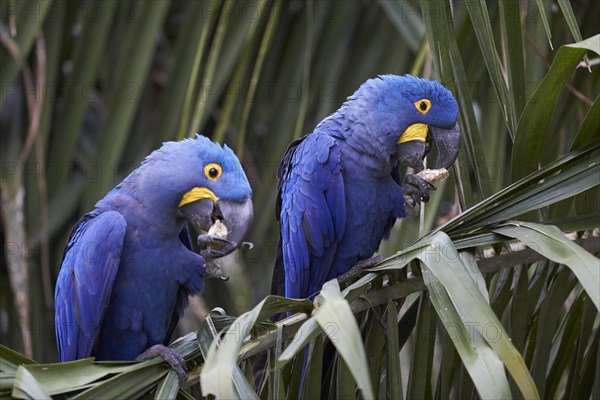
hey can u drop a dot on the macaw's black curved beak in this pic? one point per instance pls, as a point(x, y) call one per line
point(237, 217)
point(199, 213)
point(225, 222)
point(447, 141)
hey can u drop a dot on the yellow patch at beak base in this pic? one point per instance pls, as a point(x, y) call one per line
point(197, 193)
point(414, 132)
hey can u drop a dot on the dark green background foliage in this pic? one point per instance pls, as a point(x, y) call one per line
point(89, 88)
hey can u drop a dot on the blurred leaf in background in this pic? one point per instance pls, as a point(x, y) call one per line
point(88, 88)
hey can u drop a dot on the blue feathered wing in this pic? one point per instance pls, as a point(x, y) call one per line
point(312, 214)
point(90, 264)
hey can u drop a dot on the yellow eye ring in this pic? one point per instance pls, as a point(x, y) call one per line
point(423, 106)
point(213, 171)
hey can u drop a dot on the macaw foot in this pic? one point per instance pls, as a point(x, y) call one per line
point(411, 207)
point(214, 246)
point(359, 266)
point(213, 268)
point(169, 355)
point(416, 189)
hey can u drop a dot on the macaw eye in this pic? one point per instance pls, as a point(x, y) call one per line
point(423, 106)
point(213, 171)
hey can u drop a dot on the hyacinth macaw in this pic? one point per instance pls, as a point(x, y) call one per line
point(341, 187)
point(128, 266)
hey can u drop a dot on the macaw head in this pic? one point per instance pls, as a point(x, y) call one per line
point(415, 113)
point(202, 182)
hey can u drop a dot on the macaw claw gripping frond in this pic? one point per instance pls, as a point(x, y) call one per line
point(170, 356)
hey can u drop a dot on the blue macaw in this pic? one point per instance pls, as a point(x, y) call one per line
point(341, 186)
point(128, 266)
